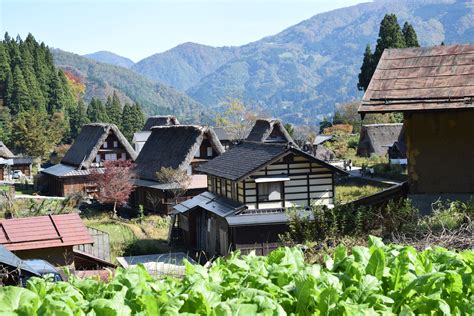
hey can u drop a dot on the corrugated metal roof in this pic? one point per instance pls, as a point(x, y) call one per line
point(141, 136)
point(44, 232)
point(9, 258)
point(211, 202)
point(61, 170)
point(321, 139)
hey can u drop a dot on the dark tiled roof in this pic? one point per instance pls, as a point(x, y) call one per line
point(172, 147)
point(421, 79)
point(243, 159)
point(22, 160)
point(221, 133)
point(84, 149)
point(211, 202)
point(160, 121)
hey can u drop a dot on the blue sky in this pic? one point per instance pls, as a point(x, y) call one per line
point(137, 29)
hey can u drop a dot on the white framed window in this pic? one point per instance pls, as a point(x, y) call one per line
point(189, 170)
point(269, 191)
point(104, 145)
point(197, 154)
point(115, 144)
point(209, 151)
point(123, 156)
point(112, 156)
point(97, 158)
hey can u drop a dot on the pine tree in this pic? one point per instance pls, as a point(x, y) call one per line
point(5, 124)
point(36, 96)
point(127, 121)
point(77, 119)
point(30, 133)
point(4, 66)
point(19, 98)
point(139, 118)
point(366, 70)
point(114, 109)
point(96, 112)
point(409, 34)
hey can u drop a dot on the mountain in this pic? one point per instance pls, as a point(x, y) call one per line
point(185, 65)
point(101, 80)
point(301, 73)
point(110, 58)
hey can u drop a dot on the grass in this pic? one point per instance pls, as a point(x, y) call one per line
point(353, 189)
point(133, 237)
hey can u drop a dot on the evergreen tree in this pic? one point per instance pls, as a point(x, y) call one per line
point(77, 119)
point(139, 117)
point(36, 96)
point(96, 112)
point(366, 70)
point(57, 98)
point(5, 124)
point(409, 34)
point(4, 65)
point(114, 109)
point(127, 121)
point(390, 36)
point(19, 98)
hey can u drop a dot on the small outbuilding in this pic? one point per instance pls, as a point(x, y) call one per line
point(434, 89)
point(10, 162)
point(96, 143)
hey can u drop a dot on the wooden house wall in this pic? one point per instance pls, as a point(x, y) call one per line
point(2, 172)
point(111, 138)
point(440, 151)
point(24, 168)
point(58, 256)
point(261, 238)
point(157, 201)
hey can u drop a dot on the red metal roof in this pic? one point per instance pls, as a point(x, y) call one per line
point(43, 232)
point(422, 79)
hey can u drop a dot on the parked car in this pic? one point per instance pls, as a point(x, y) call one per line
point(42, 268)
point(17, 174)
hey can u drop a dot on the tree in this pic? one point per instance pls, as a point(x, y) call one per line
point(289, 128)
point(236, 119)
point(409, 34)
point(77, 119)
point(366, 70)
point(390, 36)
point(34, 133)
point(19, 98)
point(132, 120)
point(325, 123)
point(178, 181)
point(5, 124)
point(96, 112)
point(115, 184)
point(114, 109)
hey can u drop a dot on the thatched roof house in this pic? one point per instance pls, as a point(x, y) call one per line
point(95, 143)
point(140, 138)
point(5, 152)
point(182, 147)
point(377, 138)
point(434, 88)
point(269, 131)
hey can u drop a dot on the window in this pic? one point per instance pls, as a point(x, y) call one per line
point(97, 158)
point(123, 156)
point(197, 153)
point(115, 144)
point(269, 191)
point(104, 145)
point(111, 156)
point(189, 170)
point(209, 151)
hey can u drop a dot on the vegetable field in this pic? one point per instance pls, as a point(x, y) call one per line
point(380, 279)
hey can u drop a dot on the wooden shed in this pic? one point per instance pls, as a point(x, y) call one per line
point(249, 189)
point(434, 88)
point(182, 147)
point(95, 143)
point(50, 238)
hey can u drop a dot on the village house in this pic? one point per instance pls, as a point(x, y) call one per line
point(9, 163)
point(224, 137)
point(50, 237)
point(140, 138)
point(180, 147)
point(434, 89)
point(376, 139)
point(249, 189)
point(269, 131)
point(97, 142)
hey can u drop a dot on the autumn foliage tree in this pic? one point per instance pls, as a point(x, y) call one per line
point(115, 183)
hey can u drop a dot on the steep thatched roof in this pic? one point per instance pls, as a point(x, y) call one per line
point(377, 138)
point(322, 153)
point(5, 152)
point(269, 131)
point(160, 120)
point(84, 149)
point(173, 147)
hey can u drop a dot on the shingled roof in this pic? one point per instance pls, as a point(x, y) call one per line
point(377, 138)
point(5, 152)
point(43, 232)
point(84, 149)
point(269, 130)
point(420, 79)
point(160, 120)
point(249, 157)
point(172, 147)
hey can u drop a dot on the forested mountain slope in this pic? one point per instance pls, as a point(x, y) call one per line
point(110, 58)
